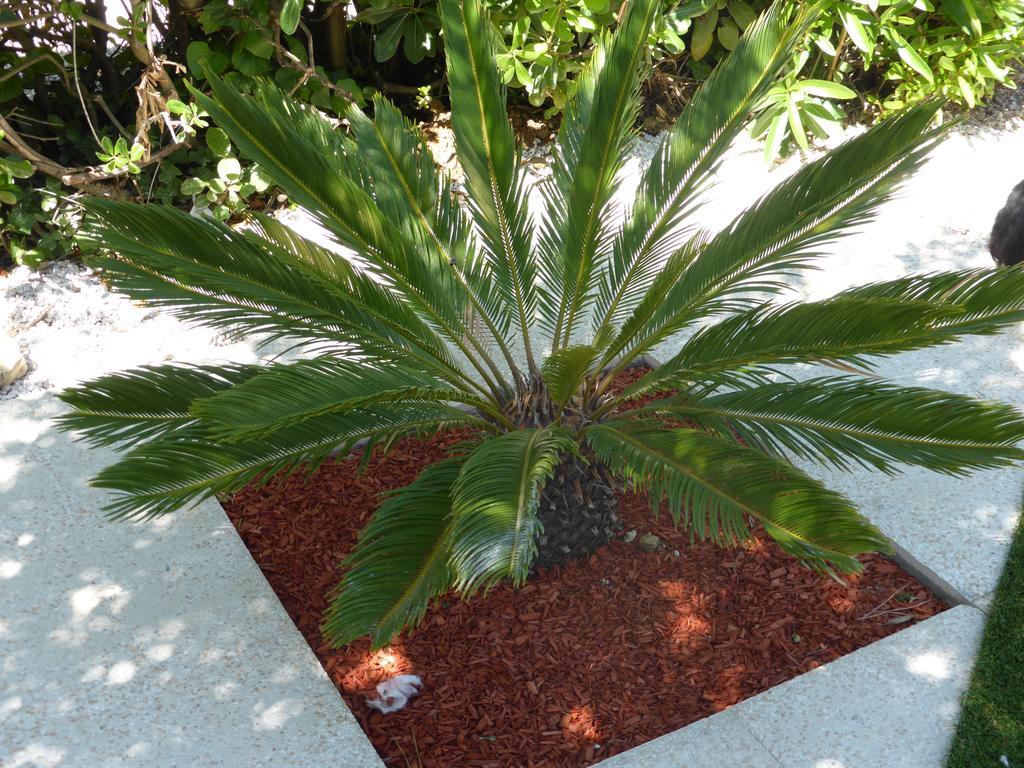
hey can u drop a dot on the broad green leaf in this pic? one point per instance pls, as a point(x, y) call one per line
point(966, 90)
point(825, 89)
point(856, 30)
point(728, 34)
point(229, 169)
point(796, 125)
point(386, 40)
point(911, 57)
point(16, 167)
point(218, 142)
point(291, 11)
point(776, 135)
point(703, 34)
point(741, 11)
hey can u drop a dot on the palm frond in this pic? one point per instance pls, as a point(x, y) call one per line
point(304, 155)
point(400, 563)
point(272, 282)
point(785, 230)
point(321, 170)
point(407, 188)
point(284, 395)
point(687, 157)
point(989, 299)
point(565, 370)
point(135, 406)
point(204, 271)
point(494, 514)
point(847, 420)
point(486, 149)
point(713, 486)
point(844, 328)
point(185, 467)
point(592, 149)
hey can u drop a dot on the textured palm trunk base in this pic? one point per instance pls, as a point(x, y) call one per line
point(578, 512)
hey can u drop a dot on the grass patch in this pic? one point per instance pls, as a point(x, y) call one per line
point(992, 721)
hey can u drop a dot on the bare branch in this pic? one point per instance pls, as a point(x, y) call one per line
point(72, 177)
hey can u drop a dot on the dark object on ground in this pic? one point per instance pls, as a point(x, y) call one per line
point(1006, 243)
point(991, 729)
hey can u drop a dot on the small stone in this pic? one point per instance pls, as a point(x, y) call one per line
point(629, 537)
point(795, 638)
point(675, 553)
point(12, 364)
point(649, 543)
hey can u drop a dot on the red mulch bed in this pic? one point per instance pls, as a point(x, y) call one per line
point(584, 661)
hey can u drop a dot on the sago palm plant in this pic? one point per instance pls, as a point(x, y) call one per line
point(515, 330)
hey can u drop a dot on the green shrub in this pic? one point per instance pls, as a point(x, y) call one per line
point(514, 330)
point(111, 113)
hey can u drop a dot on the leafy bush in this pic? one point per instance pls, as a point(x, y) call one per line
point(878, 56)
point(110, 113)
point(514, 330)
point(104, 108)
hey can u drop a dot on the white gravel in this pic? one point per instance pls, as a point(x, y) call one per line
point(70, 327)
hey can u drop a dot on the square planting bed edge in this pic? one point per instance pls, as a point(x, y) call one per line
point(693, 667)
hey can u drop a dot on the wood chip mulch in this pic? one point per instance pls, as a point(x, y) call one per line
point(584, 661)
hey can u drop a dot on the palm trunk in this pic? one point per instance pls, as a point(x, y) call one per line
point(578, 512)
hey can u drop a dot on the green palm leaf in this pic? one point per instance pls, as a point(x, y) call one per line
point(486, 149)
point(839, 420)
point(589, 170)
point(988, 299)
point(494, 514)
point(304, 156)
point(714, 486)
point(409, 193)
point(320, 169)
point(400, 563)
point(785, 229)
point(206, 272)
point(842, 328)
point(565, 370)
point(185, 467)
point(146, 403)
point(284, 395)
point(687, 157)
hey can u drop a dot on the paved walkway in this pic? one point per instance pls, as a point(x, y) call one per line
point(161, 644)
point(154, 645)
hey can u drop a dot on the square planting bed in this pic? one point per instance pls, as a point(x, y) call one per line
point(586, 660)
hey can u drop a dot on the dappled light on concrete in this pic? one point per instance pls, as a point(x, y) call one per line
point(931, 666)
point(156, 644)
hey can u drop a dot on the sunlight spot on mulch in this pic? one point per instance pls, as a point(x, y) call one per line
point(377, 666)
point(580, 721)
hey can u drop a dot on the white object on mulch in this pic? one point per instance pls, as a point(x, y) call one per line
point(394, 693)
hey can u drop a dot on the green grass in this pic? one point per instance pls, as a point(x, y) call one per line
point(992, 720)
